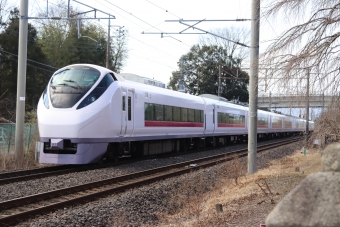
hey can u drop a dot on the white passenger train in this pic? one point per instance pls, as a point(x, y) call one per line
point(88, 112)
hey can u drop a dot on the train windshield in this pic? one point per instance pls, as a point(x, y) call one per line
point(68, 86)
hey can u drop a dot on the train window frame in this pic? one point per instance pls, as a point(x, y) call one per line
point(159, 112)
point(229, 118)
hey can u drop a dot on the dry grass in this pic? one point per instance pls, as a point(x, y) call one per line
point(244, 202)
point(10, 162)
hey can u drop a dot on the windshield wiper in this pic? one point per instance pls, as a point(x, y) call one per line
point(69, 86)
point(72, 81)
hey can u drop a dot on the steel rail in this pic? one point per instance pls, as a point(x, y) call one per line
point(105, 187)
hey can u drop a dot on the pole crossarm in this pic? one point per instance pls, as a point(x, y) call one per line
point(191, 26)
point(238, 43)
point(181, 21)
point(97, 10)
point(94, 10)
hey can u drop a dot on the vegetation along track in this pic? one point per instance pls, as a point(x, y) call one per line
point(16, 210)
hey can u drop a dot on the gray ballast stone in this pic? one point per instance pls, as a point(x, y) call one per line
point(331, 158)
point(314, 202)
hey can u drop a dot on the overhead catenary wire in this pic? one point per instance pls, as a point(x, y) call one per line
point(28, 64)
point(28, 59)
point(163, 9)
point(137, 18)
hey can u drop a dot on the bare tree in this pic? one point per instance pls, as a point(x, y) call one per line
point(236, 34)
point(311, 46)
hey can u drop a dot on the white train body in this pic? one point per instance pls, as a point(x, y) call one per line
point(87, 110)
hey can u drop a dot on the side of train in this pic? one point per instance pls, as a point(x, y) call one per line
point(87, 112)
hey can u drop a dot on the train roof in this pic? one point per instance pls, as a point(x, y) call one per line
point(141, 79)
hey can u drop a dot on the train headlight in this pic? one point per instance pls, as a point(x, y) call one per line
point(92, 98)
point(45, 99)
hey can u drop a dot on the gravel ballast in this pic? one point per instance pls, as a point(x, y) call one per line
point(136, 207)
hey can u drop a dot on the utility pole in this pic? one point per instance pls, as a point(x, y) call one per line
point(219, 80)
point(108, 49)
point(21, 86)
point(307, 109)
point(253, 86)
point(181, 80)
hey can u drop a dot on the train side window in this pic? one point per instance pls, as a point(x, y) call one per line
point(191, 115)
point(230, 119)
point(159, 112)
point(148, 111)
point(123, 103)
point(176, 114)
point(168, 113)
point(202, 116)
point(184, 114)
point(225, 118)
point(129, 108)
point(243, 119)
point(197, 116)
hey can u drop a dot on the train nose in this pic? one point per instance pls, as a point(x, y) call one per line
point(57, 124)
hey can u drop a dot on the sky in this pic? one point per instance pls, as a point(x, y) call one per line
point(150, 55)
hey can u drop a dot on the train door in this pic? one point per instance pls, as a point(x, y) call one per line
point(214, 118)
point(127, 113)
point(123, 118)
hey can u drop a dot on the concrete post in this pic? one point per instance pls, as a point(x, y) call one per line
point(108, 49)
point(307, 109)
point(253, 86)
point(21, 86)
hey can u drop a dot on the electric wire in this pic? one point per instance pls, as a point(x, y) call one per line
point(28, 64)
point(28, 59)
point(163, 9)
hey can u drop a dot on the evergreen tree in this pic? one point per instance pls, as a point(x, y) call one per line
point(36, 75)
point(200, 71)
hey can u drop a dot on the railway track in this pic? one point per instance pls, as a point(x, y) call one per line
point(20, 209)
point(24, 175)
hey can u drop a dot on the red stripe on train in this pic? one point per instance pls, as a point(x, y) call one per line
point(232, 125)
point(171, 124)
point(262, 126)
